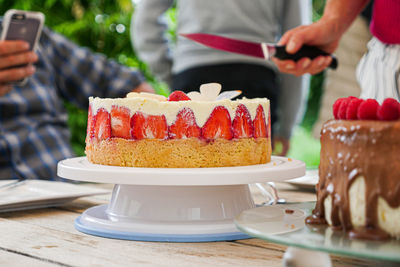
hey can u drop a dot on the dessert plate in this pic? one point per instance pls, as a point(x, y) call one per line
point(33, 194)
point(307, 182)
point(279, 169)
point(288, 221)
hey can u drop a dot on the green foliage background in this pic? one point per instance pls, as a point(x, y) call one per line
point(103, 26)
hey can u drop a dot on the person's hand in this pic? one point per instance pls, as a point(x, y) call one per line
point(324, 34)
point(144, 87)
point(13, 54)
point(282, 144)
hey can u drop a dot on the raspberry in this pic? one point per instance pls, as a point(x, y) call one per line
point(352, 108)
point(336, 106)
point(389, 110)
point(368, 109)
point(343, 107)
point(178, 96)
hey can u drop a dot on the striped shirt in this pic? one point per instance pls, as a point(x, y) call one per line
point(34, 134)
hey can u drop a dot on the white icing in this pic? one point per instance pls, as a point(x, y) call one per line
point(201, 109)
point(146, 95)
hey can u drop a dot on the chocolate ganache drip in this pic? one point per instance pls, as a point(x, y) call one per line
point(350, 149)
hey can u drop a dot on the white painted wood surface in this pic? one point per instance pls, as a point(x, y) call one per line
point(47, 237)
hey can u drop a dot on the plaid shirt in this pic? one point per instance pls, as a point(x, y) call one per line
point(34, 134)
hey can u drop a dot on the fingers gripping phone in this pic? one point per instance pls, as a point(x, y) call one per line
point(22, 25)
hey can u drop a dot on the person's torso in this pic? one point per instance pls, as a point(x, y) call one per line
point(252, 20)
point(385, 24)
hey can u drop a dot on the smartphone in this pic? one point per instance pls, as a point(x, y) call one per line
point(22, 25)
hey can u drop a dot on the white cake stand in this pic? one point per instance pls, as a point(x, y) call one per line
point(173, 204)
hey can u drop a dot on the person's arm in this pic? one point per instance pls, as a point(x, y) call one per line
point(80, 73)
point(292, 89)
point(325, 34)
point(14, 55)
point(148, 33)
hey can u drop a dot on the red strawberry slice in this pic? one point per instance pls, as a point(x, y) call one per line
point(352, 108)
point(148, 126)
point(120, 122)
point(242, 125)
point(368, 110)
point(269, 123)
point(389, 110)
point(90, 124)
point(218, 125)
point(178, 96)
point(259, 123)
point(102, 124)
point(184, 125)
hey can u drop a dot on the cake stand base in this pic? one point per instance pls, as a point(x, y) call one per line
point(169, 213)
point(94, 221)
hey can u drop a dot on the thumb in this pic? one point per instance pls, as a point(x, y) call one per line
point(296, 38)
point(296, 41)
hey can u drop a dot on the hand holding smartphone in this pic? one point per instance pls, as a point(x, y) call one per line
point(20, 35)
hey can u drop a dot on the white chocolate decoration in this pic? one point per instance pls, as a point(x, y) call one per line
point(210, 91)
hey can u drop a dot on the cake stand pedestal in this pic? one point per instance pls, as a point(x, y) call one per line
point(173, 204)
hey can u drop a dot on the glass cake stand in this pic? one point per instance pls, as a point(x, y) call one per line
point(173, 204)
point(285, 224)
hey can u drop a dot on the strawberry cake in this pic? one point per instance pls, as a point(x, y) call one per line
point(359, 183)
point(200, 129)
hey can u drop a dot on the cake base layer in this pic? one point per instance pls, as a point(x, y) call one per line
point(179, 153)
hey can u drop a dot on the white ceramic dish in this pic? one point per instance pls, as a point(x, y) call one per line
point(39, 193)
point(308, 181)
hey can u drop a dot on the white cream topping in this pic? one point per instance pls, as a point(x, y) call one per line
point(201, 109)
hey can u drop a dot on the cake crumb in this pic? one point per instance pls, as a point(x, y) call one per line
point(289, 211)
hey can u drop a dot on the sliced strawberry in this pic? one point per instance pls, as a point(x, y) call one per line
point(102, 124)
point(148, 126)
point(178, 96)
point(184, 126)
point(218, 125)
point(259, 123)
point(120, 122)
point(242, 126)
point(389, 110)
point(90, 124)
point(269, 123)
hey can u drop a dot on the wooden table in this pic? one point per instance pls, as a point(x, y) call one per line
point(47, 237)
